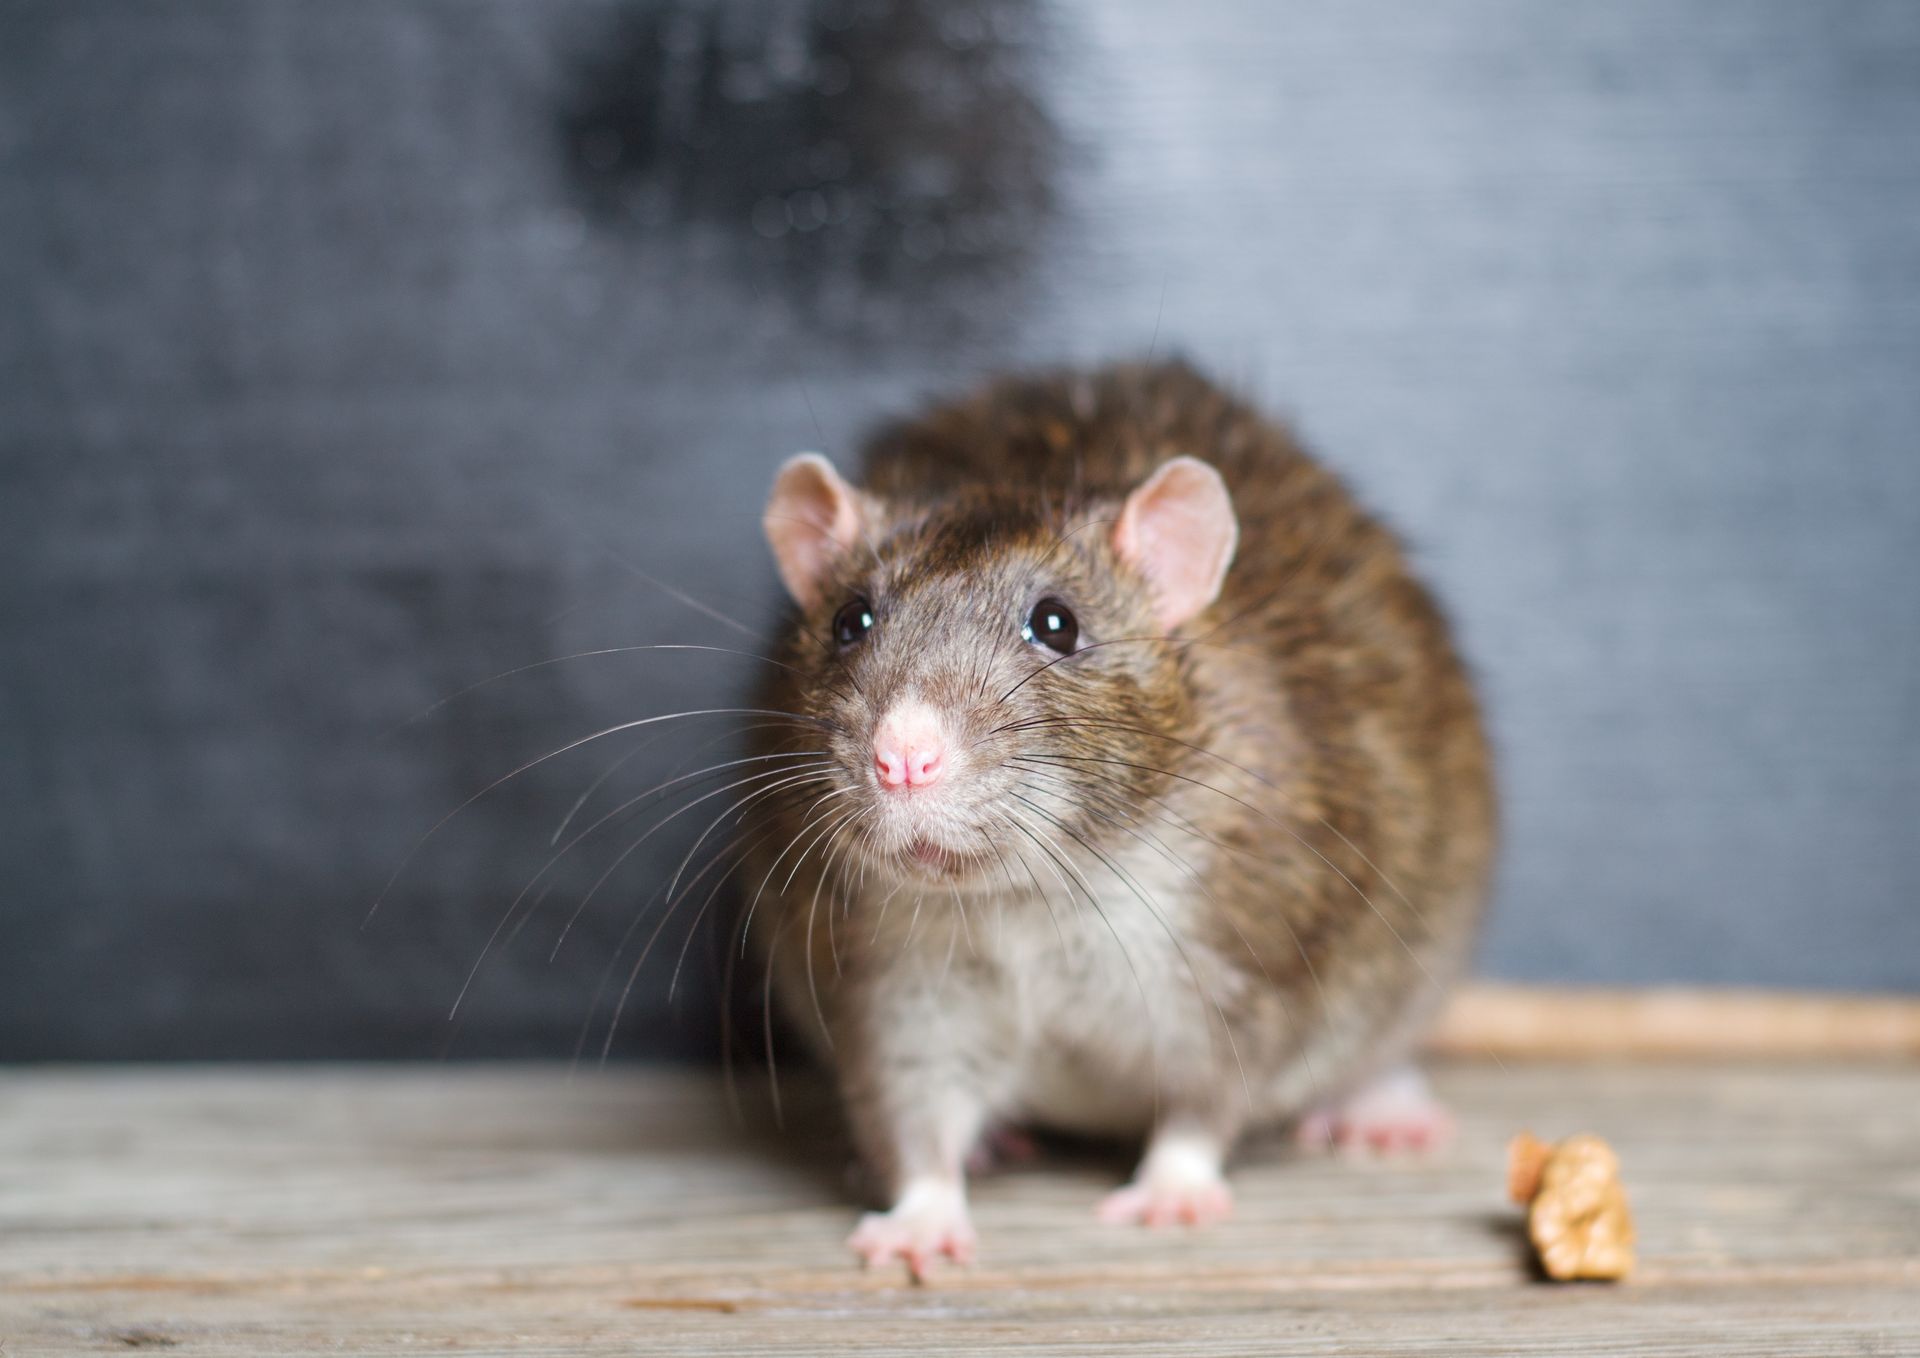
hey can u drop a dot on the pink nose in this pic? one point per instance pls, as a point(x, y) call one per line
point(909, 750)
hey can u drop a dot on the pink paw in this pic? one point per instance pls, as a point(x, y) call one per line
point(1000, 1146)
point(1178, 1183)
point(1168, 1204)
point(1395, 1113)
point(929, 1221)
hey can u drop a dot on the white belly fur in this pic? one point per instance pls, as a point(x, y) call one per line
point(1093, 1012)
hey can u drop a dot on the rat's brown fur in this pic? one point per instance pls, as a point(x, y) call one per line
point(1308, 750)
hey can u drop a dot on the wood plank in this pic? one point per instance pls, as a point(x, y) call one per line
point(1489, 1020)
point(396, 1210)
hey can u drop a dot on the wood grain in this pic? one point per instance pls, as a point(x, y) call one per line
point(398, 1210)
point(1486, 1020)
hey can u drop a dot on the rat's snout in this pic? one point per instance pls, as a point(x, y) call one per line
point(909, 748)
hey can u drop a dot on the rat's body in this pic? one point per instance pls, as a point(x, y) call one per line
point(1103, 820)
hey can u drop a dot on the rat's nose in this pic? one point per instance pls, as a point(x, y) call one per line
point(909, 748)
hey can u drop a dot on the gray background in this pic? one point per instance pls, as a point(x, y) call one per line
point(353, 352)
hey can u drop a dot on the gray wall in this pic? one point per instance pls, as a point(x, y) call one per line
point(351, 353)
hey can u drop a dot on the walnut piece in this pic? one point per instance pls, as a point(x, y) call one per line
point(1577, 1212)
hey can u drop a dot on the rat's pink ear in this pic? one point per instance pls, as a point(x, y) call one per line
point(812, 516)
point(1178, 530)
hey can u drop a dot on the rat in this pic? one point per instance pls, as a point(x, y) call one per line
point(1129, 785)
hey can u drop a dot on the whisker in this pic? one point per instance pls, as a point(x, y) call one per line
point(953, 937)
point(475, 687)
point(1072, 904)
point(761, 890)
point(1146, 1005)
point(826, 871)
point(666, 915)
point(802, 778)
point(554, 754)
point(1199, 880)
point(487, 948)
point(766, 1024)
point(1038, 890)
point(712, 893)
point(965, 927)
point(880, 918)
point(1300, 839)
point(671, 906)
point(617, 764)
point(913, 923)
point(594, 787)
point(671, 591)
point(800, 769)
point(1203, 989)
point(813, 985)
point(1153, 639)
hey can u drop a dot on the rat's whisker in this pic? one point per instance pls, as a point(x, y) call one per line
point(813, 909)
point(1042, 840)
point(619, 763)
point(1201, 985)
point(595, 785)
point(800, 774)
point(1333, 867)
point(476, 686)
point(606, 972)
point(766, 1022)
point(1127, 821)
point(673, 591)
point(1038, 890)
point(1168, 816)
point(493, 937)
point(946, 966)
point(826, 869)
point(1072, 903)
point(713, 892)
point(914, 923)
point(965, 927)
point(1266, 782)
point(666, 915)
point(802, 777)
point(554, 754)
point(880, 915)
point(797, 836)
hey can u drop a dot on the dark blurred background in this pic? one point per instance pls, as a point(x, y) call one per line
point(354, 352)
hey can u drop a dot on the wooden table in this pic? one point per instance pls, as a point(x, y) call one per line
point(407, 1210)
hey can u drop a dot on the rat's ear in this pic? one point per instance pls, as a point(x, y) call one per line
point(1178, 530)
point(812, 516)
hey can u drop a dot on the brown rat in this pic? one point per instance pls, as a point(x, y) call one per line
point(1136, 790)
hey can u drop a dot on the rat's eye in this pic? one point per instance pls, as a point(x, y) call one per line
point(1052, 625)
point(853, 622)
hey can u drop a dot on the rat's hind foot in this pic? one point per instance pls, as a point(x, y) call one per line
point(999, 1146)
point(1397, 1112)
point(929, 1220)
point(1178, 1183)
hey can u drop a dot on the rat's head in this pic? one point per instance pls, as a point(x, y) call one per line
point(992, 672)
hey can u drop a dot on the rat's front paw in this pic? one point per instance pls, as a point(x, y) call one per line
point(1179, 1184)
point(1395, 1113)
point(1168, 1204)
point(928, 1221)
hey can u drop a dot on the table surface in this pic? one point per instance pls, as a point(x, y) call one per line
point(514, 1209)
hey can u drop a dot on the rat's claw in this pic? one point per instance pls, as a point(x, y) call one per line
point(1168, 1204)
point(1395, 1113)
point(929, 1221)
point(1179, 1184)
